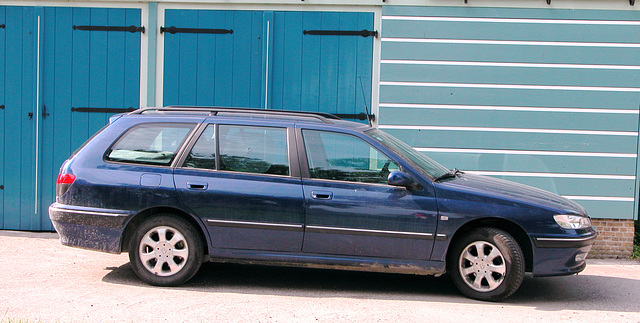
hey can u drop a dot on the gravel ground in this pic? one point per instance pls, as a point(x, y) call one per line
point(44, 281)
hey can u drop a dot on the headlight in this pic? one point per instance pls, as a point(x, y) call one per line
point(572, 221)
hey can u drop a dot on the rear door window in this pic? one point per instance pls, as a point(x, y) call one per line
point(251, 149)
point(151, 144)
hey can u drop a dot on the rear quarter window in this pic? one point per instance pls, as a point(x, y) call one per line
point(151, 144)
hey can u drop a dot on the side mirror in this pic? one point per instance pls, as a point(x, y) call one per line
point(398, 178)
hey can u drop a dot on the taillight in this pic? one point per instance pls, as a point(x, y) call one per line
point(63, 182)
point(65, 178)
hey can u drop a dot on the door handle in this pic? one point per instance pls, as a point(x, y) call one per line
point(197, 186)
point(322, 195)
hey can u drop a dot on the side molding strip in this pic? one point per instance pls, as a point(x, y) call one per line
point(379, 233)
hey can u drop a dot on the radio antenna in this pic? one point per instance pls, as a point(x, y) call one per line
point(366, 107)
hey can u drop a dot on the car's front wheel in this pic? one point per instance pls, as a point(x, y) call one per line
point(486, 264)
point(166, 251)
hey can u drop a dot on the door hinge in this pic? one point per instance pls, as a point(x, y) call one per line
point(131, 29)
point(2, 107)
point(359, 116)
point(176, 30)
point(103, 110)
point(363, 33)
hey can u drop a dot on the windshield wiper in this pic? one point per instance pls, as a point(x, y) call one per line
point(450, 174)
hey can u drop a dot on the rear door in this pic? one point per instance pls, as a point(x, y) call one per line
point(350, 208)
point(242, 181)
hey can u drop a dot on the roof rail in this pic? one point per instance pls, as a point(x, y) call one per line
point(324, 117)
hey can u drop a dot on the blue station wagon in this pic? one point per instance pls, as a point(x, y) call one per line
point(178, 186)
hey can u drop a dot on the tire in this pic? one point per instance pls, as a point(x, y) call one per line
point(166, 251)
point(486, 264)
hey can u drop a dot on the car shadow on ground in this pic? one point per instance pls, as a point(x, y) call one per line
point(301, 282)
point(577, 292)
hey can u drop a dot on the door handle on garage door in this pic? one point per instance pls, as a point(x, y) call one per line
point(322, 195)
point(197, 186)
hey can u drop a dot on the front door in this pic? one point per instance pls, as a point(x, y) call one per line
point(350, 209)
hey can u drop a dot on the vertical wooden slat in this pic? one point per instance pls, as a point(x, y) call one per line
point(116, 58)
point(28, 93)
point(224, 59)
point(311, 55)
point(3, 117)
point(132, 61)
point(99, 64)
point(256, 54)
point(328, 63)
point(348, 56)
point(171, 60)
point(81, 71)
point(15, 115)
point(206, 50)
point(287, 81)
point(242, 62)
point(187, 58)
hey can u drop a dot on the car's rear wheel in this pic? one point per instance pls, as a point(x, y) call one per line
point(486, 264)
point(166, 251)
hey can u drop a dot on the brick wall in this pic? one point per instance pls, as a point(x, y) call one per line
point(615, 238)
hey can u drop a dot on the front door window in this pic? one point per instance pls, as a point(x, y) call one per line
point(344, 157)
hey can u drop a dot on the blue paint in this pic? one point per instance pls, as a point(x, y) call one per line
point(20, 83)
point(3, 119)
point(78, 69)
point(290, 70)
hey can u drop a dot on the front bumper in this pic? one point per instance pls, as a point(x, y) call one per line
point(89, 228)
point(557, 256)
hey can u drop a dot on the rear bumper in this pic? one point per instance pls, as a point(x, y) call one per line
point(561, 256)
point(89, 228)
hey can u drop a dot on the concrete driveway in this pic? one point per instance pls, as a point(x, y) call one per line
point(43, 281)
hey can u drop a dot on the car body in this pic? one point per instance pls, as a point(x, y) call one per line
point(177, 186)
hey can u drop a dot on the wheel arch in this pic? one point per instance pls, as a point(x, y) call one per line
point(149, 213)
point(513, 229)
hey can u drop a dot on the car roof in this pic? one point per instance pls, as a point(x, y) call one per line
point(299, 117)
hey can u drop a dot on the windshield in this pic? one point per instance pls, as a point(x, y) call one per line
point(429, 166)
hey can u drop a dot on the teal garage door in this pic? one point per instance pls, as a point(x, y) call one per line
point(310, 61)
point(65, 71)
point(18, 98)
point(548, 98)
